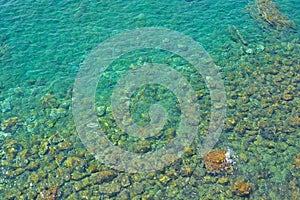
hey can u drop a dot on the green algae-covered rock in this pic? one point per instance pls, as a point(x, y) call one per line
point(75, 163)
point(110, 189)
point(82, 184)
point(78, 175)
point(100, 177)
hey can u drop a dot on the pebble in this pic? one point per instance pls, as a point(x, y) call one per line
point(249, 51)
point(164, 179)
point(101, 110)
point(223, 180)
point(243, 157)
point(260, 48)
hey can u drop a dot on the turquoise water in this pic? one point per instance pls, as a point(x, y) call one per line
point(43, 46)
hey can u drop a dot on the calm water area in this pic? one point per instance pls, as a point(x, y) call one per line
point(247, 118)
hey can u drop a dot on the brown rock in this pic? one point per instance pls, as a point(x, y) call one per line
point(241, 188)
point(50, 194)
point(287, 97)
point(218, 161)
point(297, 161)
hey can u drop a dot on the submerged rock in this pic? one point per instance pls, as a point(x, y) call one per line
point(50, 194)
point(241, 188)
point(10, 125)
point(100, 177)
point(218, 161)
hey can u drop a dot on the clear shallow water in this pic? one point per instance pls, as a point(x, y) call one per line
point(47, 42)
